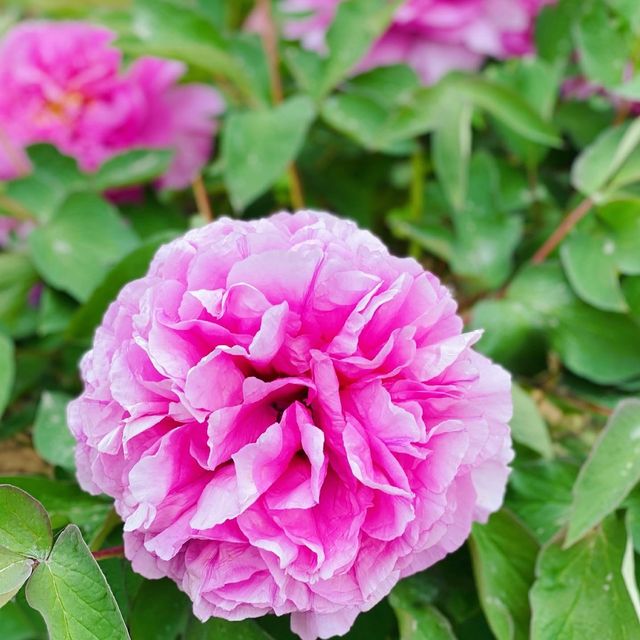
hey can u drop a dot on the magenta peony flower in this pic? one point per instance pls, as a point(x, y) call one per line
point(290, 420)
point(432, 36)
point(62, 84)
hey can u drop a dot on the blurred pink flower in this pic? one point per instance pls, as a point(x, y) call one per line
point(62, 83)
point(290, 420)
point(432, 36)
point(9, 226)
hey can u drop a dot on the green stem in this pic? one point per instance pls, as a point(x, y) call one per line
point(111, 521)
point(416, 195)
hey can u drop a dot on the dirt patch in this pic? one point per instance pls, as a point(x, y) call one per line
point(18, 457)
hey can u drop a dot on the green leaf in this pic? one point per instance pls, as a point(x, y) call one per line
point(51, 436)
point(54, 311)
point(580, 592)
point(18, 622)
point(17, 279)
point(504, 104)
point(173, 30)
point(595, 33)
point(607, 160)
point(132, 168)
point(554, 29)
point(64, 501)
point(52, 179)
point(589, 263)
point(573, 328)
point(622, 219)
point(133, 265)
point(504, 555)
point(72, 595)
point(631, 290)
point(159, 611)
point(452, 150)
point(486, 236)
point(356, 25)
point(7, 371)
point(527, 425)
point(418, 620)
point(24, 524)
point(540, 495)
point(14, 571)
point(74, 250)
point(219, 629)
point(610, 472)
point(384, 107)
point(257, 146)
point(511, 337)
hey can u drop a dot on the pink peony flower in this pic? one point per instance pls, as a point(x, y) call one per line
point(432, 36)
point(62, 83)
point(290, 420)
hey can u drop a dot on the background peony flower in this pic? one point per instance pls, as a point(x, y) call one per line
point(432, 36)
point(9, 226)
point(290, 420)
point(62, 83)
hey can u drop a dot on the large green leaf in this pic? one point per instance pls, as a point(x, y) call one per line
point(51, 436)
point(74, 250)
point(610, 472)
point(418, 620)
point(24, 524)
point(257, 146)
point(504, 555)
point(527, 425)
point(7, 370)
point(580, 592)
point(72, 595)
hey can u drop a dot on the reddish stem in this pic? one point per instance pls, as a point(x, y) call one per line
point(108, 553)
point(562, 231)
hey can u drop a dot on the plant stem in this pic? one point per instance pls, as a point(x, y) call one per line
point(107, 554)
point(111, 521)
point(269, 36)
point(416, 195)
point(569, 222)
point(202, 199)
point(15, 209)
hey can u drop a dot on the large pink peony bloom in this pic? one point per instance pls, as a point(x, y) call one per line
point(432, 36)
point(290, 420)
point(62, 83)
